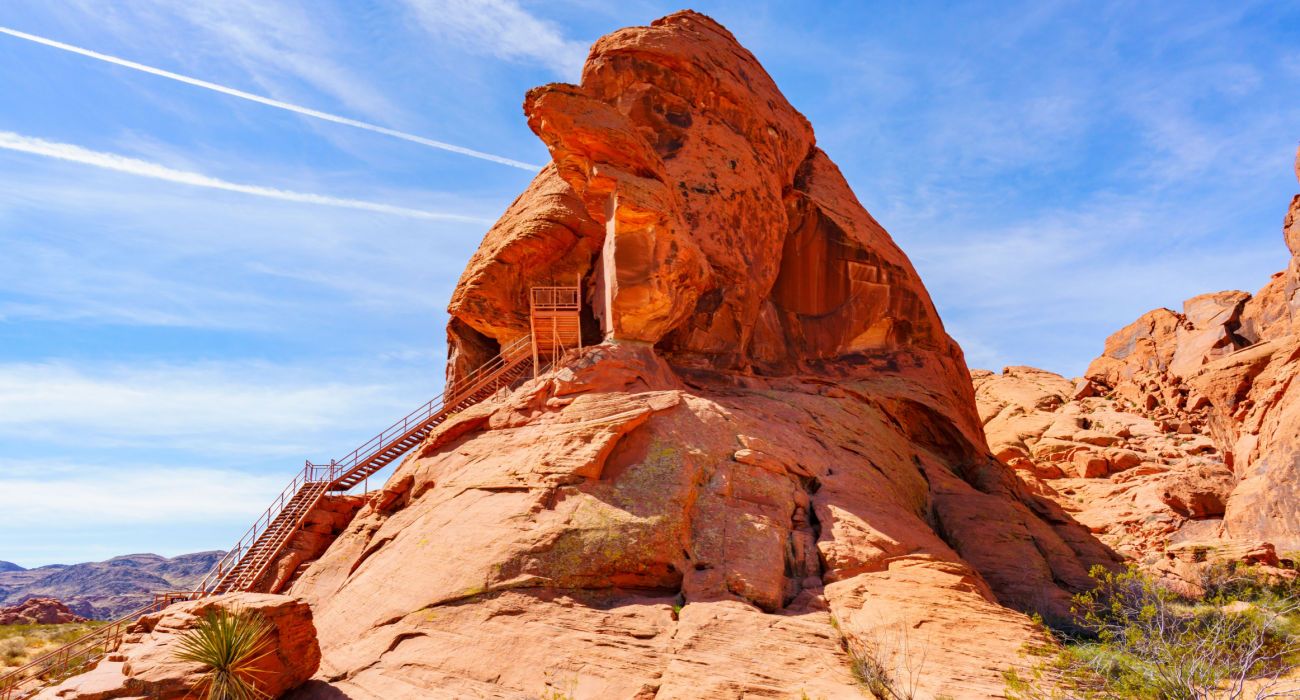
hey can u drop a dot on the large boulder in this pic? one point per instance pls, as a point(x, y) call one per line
point(145, 666)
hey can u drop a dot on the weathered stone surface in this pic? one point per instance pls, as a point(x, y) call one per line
point(735, 242)
point(1107, 462)
point(592, 495)
point(146, 664)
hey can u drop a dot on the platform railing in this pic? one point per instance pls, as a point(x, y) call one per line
point(555, 299)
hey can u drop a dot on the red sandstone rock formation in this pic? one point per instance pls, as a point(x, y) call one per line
point(145, 666)
point(1228, 363)
point(774, 455)
point(1185, 434)
point(38, 611)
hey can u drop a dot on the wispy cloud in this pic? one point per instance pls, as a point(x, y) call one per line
point(232, 408)
point(504, 29)
point(186, 259)
point(70, 493)
point(132, 166)
point(278, 104)
point(92, 510)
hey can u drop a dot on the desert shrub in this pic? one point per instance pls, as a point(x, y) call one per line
point(229, 645)
point(559, 686)
point(1140, 640)
point(1241, 581)
point(12, 651)
point(20, 644)
point(888, 664)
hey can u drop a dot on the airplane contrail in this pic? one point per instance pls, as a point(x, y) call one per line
point(143, 168)
point(307, 111)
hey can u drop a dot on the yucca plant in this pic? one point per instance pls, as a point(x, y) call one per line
point(229, 644)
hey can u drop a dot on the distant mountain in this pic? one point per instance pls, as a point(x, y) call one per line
point(6, 566)
point(106, 589)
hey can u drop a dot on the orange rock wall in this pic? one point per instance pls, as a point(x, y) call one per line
point(1184, 433)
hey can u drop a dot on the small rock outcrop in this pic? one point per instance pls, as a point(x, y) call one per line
point(768, 454)
point(145, 666)
point(38, 611)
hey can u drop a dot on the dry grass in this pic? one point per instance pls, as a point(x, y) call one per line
point(20, 644)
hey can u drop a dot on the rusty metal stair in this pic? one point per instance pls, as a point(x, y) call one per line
point(248, 561)
point(252, 565)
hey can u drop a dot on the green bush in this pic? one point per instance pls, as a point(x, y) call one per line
point(1241, 581)
point(1140, 640)
point(229, 645)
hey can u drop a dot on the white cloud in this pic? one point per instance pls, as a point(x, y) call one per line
point(307, 68)
point(1089, 269)
point(132, 166)
point(70, 494)
point(184, 257)
point(504, 29)
point(245, 408)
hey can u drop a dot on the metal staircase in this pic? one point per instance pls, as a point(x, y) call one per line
point(554, 321)
point(554, 327)
point(248, 561)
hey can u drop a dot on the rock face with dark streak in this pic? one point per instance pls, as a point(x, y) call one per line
point(773, 456)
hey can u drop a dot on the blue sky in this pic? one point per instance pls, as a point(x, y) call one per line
point(170, 352)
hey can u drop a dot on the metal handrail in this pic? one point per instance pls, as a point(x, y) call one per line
point(75, 656)
point(311, 493)
point(460, 390)
point(555, 298)
point(245, 543)
point(466, 386)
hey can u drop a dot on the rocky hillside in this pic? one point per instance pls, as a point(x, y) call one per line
point(1181, 444)
point(106, 589)
point(772, 466)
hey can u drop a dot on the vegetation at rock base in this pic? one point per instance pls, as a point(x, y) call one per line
point(20, 644)
point(1137, 639)
point(559, 689)
point(889, 665)
point(229, 644)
